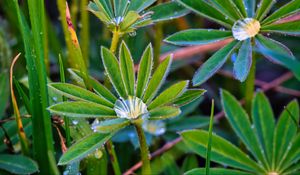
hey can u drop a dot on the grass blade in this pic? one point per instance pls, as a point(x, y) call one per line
point(208, 151)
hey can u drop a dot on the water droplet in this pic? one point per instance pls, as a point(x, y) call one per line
point(155, 127)
point(245, 28)
point(75, 122)
point(131, 108)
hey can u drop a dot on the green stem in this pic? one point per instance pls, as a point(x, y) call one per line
point(250, 86)
point(146, 168)
point(109, 144)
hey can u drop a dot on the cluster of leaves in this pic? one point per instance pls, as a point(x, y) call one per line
point(229, 14)
point(273, 148)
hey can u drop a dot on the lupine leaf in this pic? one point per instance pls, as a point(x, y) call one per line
point(288, 28)
point(222, 151)
point(241, 125)
point(17, 164)
point(105, 6)
point(283, 135)
point(263, 8)
point(98, 87)
point(164, 112)
point(112, 68)
point(243, 61)
point(250, 7)
point(189, 96)
point(144, 73)
point(228, 8)
point(278, 55)
point(190, 162)
point(120, 7)
point(84, 147)
point(264, 124)
point(292, 155)
point(82, 109)
point(169, 95)
point(77, 93)
point(241, 7)
point(157, 79)
point(214, 63)
point(167, 11)
point(216, 171)
point(127, 68)
point(109, 126)
point(140, 5)
point(205, 9)
point(130, 18)
point(100, 13)
point(170, 165)
point(290, 8)
point(198, 37)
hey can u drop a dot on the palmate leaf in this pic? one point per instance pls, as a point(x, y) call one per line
point(214, 63)
point(198, 37)
point(167, 11)
point(77, 93)
point(250, 7)
point(127, 68)
point(82, 109)
point(144, 73)
point(292, 155)
point(283, 135)
point(105, 6)
point(263, 8)
point(84, 147)
point(109, 126)
point(164, 112)
point(157, 79)
point(120, 7)
point(189, 96)
point(216, 171)
point(264, 124)
point(113, 71)
point(99, 12)
point(169, 95)
point(205, 9)
point(98, 87)
point(288, 28)
point(290, 8)
point(18, 164)
point(241, 125)
point(228, 8)
point(140, 5)
point(222, 151)
point(240, 5)
point(243, 61)
point(130, 18)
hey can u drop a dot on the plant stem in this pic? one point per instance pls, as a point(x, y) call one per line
point(208, 152)
point(250, 85)
point(115, 41)
point(146, 168)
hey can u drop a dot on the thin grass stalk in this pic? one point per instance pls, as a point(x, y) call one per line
point(145, 155)
point(21, 132)
point(84, 33)
point(34, 48)
point(208, 152)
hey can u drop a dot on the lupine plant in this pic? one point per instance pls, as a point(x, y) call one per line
point(136, 102)
point(248, 25)
point(274, 148)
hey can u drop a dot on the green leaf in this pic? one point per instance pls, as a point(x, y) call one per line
point(264, 124)
point(191, 122)
point(113, 71)
point(190, 162)
point(210, 130)
point(82, 109)
point(214, 63)
point(189, 96)
point(157, 79)
point(4, 93)
point(140, 5)
point(243, 61)
point(263, 8)
point(169, 95)
point(216, 171)
point(120, 7)
point(284, 135)
point(288, 28)
point(241, 125)
point(198, 37)
point(222, 152)
point(84, 147)
point(98, 87)
point(77, 93)
point(164, 112)
point(288, 9)
point(250, 7)
point(105, 7)
point(205, 9)
point(240, 5)
point(292, 155)
point(170, 164)
point(228, 8)
point(144, 73)
point(279, 55)
point(167, 11)
point(109, 126)
point(127, 68)
point(99, 12)
point(18, 164)
point(130, 18)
